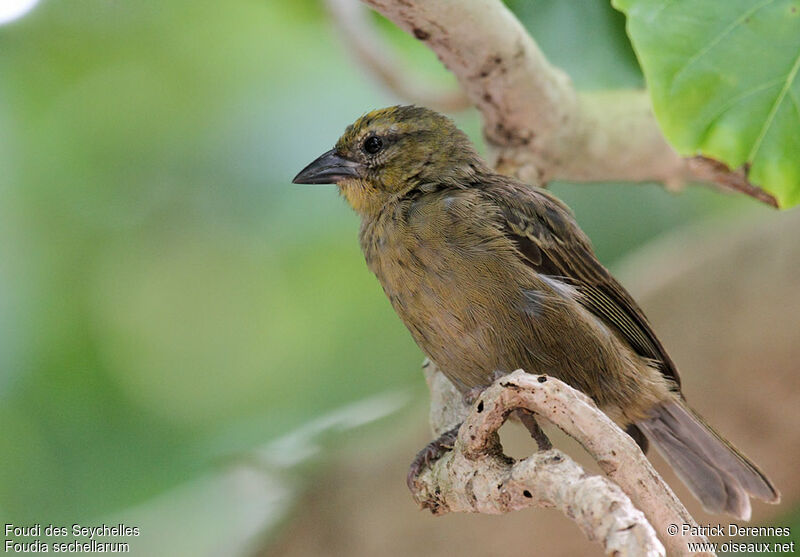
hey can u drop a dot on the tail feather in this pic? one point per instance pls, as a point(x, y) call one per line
point(721, 477)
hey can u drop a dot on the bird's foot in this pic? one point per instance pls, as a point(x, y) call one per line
point(528, 419)
point(472, 395)
point(432, 452)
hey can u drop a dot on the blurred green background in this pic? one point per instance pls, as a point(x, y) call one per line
point(168, 299)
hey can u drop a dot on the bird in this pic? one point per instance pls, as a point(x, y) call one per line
point(490, 274)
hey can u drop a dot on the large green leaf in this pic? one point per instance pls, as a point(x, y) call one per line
point(724, 80)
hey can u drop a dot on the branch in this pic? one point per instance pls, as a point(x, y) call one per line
point(351, 16)
point(477, 477)
point(537, 125)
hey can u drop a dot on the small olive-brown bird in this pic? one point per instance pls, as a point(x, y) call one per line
point(491, 275)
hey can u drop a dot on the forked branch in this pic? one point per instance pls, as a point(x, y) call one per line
point(623, 511)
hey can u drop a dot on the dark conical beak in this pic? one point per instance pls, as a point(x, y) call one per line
point(328, 168)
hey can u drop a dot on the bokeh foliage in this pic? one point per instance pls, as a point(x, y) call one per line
point(166, 295)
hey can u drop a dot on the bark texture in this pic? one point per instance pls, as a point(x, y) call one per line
point(477, 477)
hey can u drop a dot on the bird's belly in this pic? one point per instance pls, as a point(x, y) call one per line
point(476, 318)
point(463, 347)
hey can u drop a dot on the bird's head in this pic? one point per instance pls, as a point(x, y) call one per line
point(389, 152)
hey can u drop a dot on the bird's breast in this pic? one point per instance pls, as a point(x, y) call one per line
point(455, 300)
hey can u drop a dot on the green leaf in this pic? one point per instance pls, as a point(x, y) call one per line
point(724, 77)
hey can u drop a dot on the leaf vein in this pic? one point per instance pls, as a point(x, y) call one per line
point(790, 77)
point(713, 42)
point(660, 9)
point(733, 102)
point(795, 103)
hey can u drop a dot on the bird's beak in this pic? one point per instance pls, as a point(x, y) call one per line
point(328, 168)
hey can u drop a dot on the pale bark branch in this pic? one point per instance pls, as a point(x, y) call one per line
point(366, 45)
point(477, 477)
point(537, 125)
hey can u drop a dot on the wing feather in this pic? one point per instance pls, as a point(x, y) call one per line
point(550, 242)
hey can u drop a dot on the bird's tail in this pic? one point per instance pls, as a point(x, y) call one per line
point(719, 475)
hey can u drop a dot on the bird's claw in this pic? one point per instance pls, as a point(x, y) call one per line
point(432, 452)
point(472, 395)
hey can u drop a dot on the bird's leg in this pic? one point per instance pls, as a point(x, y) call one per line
point(432, 452)
point(472, 395)
point(528, 419)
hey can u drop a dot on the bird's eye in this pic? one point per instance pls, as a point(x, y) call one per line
point(373, 144)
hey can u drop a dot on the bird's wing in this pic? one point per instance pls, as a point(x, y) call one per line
point(551, 243)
